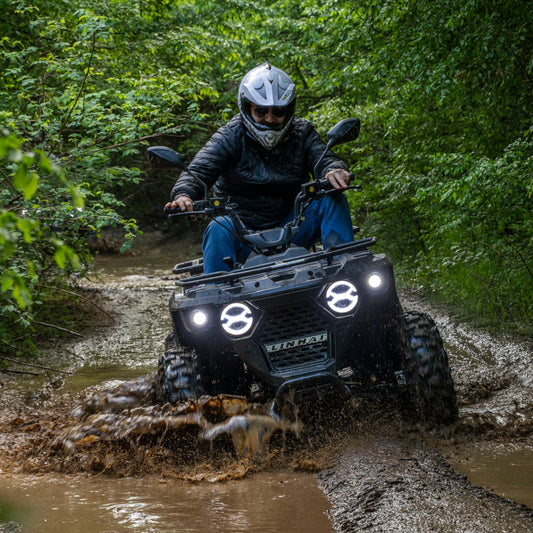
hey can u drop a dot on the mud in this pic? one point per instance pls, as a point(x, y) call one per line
point(378, 473)
point(122, 432)
point(384, 482)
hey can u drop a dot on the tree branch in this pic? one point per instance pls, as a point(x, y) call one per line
point(80, 92)
point(57, 327)
point(41, 367)
point(25, 372)
point(78, 296)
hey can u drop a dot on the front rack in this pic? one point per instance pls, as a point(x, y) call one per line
point(215, 277)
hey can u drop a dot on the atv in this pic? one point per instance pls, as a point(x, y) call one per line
point(297, 324)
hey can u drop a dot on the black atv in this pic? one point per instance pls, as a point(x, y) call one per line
point(297, 324)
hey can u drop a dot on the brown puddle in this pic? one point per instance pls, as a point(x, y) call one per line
point(266, 502)
point(120, 461)
point(503, 468)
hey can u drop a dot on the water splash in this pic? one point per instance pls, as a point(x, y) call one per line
point(127, 412)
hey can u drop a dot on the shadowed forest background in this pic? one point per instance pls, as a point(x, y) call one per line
point(443, 89)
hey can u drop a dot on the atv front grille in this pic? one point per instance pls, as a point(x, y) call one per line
point(294, 335)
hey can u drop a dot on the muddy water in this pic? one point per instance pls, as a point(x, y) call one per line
point(82, 452)
point(271, 502)
point(386, 482)
point(505, 468)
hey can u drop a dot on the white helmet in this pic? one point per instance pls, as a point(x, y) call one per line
point(267, 86)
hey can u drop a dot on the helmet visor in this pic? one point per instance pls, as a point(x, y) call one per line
point(277, 111)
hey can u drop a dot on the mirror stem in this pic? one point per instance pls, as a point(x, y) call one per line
point(314, 177)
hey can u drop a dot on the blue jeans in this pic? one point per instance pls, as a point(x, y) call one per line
point(327, 219)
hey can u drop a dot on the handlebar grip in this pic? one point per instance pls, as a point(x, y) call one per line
point(172, 210)
point(176, 212)
point(328, 188)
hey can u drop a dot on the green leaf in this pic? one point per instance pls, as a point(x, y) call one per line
point(25, 181)
point(7, 283)
point(60, 256)
point(26, 227)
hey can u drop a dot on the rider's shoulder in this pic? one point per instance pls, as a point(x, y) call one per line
point(231, 130)
point(229, 136)
point(234, 125)
point(302, 126)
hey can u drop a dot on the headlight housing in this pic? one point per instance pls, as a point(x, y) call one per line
point(341, 297)
point(237, 319)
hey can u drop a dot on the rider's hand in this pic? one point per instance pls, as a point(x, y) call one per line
point(339, 178)
point(183, 202)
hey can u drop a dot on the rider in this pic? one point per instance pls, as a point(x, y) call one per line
point(260, 159)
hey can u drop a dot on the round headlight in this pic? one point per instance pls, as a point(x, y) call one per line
point(341, 297)
point(236, 319)
point(199, 318)
point(375, 281)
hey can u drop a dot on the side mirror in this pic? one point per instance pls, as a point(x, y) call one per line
point(344, 131)
point(165, 158)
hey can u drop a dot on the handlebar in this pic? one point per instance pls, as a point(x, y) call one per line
point(318, 188)
point(211, 207)
point(214, 207)
point(222, 206)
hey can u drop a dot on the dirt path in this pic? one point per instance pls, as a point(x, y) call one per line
point(387, 483)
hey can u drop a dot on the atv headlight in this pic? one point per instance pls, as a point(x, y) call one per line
point(375, 280)
point(342, 297)
point(236, 319)
point(199, 318)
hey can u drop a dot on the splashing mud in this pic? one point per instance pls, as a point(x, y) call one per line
point(128, 412)
point(122, 431)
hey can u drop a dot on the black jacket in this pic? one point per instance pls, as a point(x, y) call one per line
point(263, 183)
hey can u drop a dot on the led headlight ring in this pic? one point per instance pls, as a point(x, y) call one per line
point(236, 319)
point(342, 297)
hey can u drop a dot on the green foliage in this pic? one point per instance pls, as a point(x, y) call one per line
point(85, 86)
point(443, 90)
point(482, 233)
point(29, 249)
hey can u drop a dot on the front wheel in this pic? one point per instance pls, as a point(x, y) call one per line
point(179, 373)
point(430, 391)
